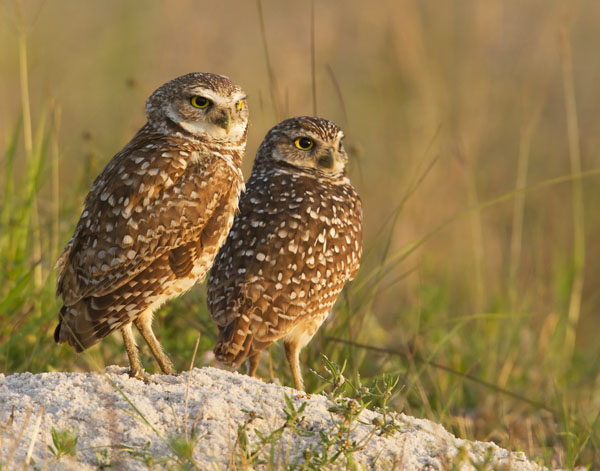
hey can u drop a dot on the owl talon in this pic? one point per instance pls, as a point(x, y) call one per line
point(139, 374)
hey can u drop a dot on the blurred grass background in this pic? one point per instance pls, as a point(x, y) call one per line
point(472, 126)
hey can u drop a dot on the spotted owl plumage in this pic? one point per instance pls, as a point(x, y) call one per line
point(156, 215)
point(294, 244)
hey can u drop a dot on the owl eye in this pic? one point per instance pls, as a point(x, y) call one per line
point(304, 143)
point(240, 105)
point(200, 102)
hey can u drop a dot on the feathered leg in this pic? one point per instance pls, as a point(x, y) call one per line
point(144, 325)
point(135, 366)
point(292, 352)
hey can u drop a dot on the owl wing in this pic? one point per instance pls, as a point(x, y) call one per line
point(141, 206)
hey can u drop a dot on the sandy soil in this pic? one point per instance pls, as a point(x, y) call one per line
point(131, 425)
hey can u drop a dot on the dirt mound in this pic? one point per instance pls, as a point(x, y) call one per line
point(214, 419)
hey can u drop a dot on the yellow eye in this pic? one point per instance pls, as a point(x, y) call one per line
point(200, 102)
point(304, 143)
point(240, 105)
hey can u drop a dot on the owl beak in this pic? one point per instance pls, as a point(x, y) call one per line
point(339, 161)
point(327, 160)
point(224, 120)
point(332, 160)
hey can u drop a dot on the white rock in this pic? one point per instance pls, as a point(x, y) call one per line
point(92, 405)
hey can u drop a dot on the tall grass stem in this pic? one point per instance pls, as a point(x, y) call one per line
point(270, 73)
point(516, 238)
point(28, 144)
point(574, 311)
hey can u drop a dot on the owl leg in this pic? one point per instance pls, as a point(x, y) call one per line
point(144, 325)
point(135, 367)
point(253, 362)
point(292, 352)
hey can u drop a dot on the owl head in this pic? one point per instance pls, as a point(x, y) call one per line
point(202, 104)
point(306, 143)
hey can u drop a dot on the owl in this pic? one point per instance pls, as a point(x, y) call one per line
point(156, 216)
point(294, 244)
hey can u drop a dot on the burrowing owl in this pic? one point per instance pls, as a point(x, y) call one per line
point(156, 216)
point(294, 244)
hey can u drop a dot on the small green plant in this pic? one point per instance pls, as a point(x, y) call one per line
point(103, 458)
point(486, 463)
point(249, 455)
point(340, 441)
point(142, 454)
point(462, 456)
point(335, 377)
point(64, 442)
point(382, 390)
point(182, 448)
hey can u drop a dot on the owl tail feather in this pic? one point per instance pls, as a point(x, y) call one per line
point(75, 327)
point(235, 342)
